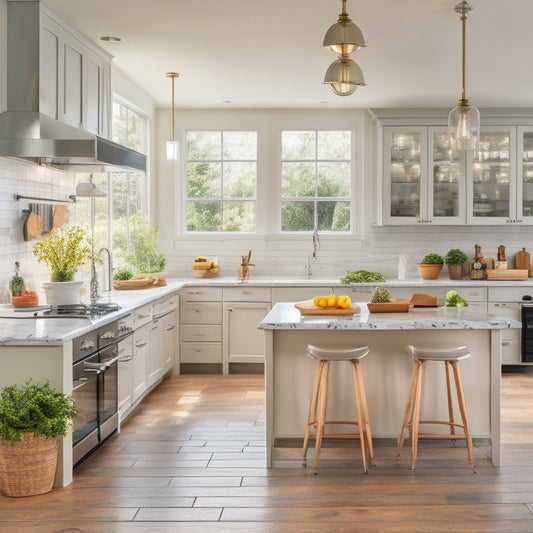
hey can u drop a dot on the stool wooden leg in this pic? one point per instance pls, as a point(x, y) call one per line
point(322, 405)
point(449, 391)
point(416, 412)
point(462, 409)
point(312, 419)
point(365, 424)
point(361, 419)
point(408, 414)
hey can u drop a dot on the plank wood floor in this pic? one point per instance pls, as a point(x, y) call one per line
point(191, 459)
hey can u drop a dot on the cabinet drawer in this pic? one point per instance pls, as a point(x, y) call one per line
point(472, 294)
point(246, 294)
point(509, 294)
point(142, 315)
point(163, 306)
point(195, 333)
point(201, 313)
point(200, 353)
point(201, 294)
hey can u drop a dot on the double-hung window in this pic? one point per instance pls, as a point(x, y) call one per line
point(221, 181)
point(316, 180)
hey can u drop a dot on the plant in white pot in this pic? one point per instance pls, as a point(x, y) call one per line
point(63, 252)
point(32, 419)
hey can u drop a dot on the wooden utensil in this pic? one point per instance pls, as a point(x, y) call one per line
point(522, 260)
point(33, 227)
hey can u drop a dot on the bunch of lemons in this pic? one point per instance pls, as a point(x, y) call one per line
point(332, 302)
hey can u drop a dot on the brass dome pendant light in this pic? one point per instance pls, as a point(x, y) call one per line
point(173, 147)
point(463, 120)
point(343, 38)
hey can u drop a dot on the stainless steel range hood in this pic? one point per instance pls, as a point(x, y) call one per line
point(27, 133)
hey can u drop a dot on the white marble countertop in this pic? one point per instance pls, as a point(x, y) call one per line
point(286, 316)
point(15, 329)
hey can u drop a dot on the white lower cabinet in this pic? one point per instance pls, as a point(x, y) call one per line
point(200, 332)
point(125, 375)
point(162, 346)
point(141, 345)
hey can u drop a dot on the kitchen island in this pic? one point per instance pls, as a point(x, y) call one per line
point(289, 372)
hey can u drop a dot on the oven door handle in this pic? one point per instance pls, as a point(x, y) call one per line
point(94, 367)
point(110, 362)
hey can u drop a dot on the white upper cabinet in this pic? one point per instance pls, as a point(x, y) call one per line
point(74, 77)
point(423, 182)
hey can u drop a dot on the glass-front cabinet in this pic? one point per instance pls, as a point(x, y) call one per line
point(525, 175)
point(422, 183)
point(492, 190)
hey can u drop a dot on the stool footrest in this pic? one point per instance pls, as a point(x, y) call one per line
point(346, 436)
point(439, 422)
point(442, 437)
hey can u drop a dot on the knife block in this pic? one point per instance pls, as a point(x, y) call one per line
point(480, 273)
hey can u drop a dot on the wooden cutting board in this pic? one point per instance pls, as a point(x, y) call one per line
point(33, 227)
point(307, 308)
point(522, 260)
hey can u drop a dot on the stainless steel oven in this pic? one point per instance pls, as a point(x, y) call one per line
point(95, 388)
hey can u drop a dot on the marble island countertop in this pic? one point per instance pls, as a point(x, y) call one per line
point(286, 316)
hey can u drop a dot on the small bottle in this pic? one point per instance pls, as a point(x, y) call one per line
point(402, 267)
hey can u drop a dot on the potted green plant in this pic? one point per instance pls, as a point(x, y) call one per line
point(32, 419)
point(455, 259)
point(63, 252)
point(430, 266)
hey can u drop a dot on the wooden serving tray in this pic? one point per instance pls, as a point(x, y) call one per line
point(506, 275)
point(394, 306)
point(308, 308)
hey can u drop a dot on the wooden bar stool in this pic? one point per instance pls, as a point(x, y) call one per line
point(411, 419)
point(319, 398)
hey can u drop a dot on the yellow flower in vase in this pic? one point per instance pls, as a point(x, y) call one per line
point(63, 252)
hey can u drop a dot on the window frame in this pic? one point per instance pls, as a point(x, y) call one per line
point(315, 199)
point(222, 199)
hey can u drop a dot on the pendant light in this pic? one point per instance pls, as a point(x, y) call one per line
point(173, 148)
point(343, 38)
point(463, 120)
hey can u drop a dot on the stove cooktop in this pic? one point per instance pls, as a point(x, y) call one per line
point(78, 310)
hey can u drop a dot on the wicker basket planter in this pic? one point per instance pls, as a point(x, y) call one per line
point(28, 466)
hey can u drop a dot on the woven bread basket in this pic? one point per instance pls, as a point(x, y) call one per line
point(28, 466)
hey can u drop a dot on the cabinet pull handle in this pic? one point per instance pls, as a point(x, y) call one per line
point(170, 328)
point(506, 343)
point(230, 308)
point(125, 359)
point(141, 344)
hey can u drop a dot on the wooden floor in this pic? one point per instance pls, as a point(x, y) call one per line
point(191, 459)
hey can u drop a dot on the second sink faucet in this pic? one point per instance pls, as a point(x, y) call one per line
point(108, 283)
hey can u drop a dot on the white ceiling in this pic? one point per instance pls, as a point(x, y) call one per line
point(269, 53)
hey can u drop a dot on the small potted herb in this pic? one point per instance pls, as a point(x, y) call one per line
point(455, 259)
point(430, 266)
point(32, 419)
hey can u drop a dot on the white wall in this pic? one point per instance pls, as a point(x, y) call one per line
point(27, 179)
point(375, 248)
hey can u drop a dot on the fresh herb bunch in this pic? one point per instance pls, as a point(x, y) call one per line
point(432, 259)
point(123, 274)
point(455, 257)
point(362, 276)
point(63, 251)
point(380, 296)
point(34, 408)
point(145, 257)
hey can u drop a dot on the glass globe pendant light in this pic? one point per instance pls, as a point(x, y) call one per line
point(463, 120)
point(173, 147)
